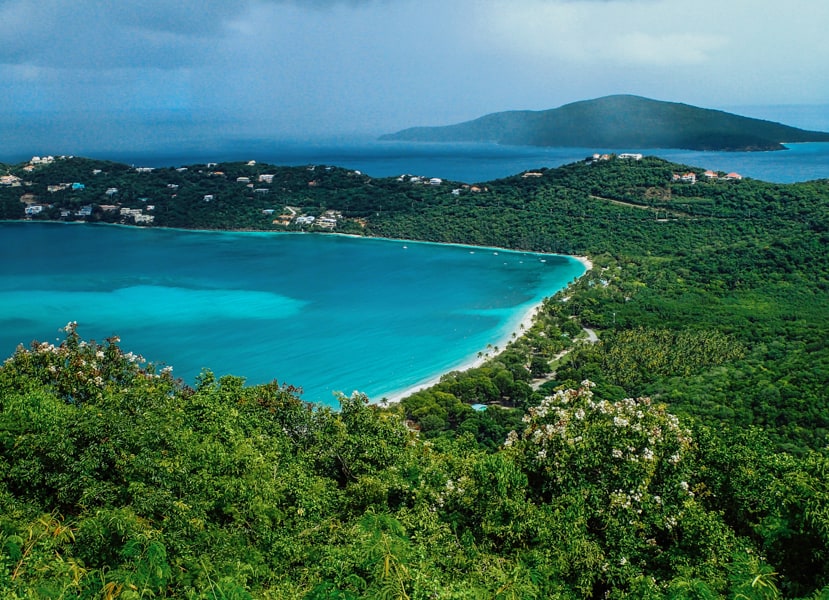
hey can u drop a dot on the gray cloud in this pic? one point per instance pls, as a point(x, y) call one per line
point(300, 65)
point(90, 34)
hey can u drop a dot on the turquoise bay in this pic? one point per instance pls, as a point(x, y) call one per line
point(322, 312)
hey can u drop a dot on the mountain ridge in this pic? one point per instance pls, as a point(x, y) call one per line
point(619, 121)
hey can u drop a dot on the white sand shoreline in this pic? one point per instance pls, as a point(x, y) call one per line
point(472, 363)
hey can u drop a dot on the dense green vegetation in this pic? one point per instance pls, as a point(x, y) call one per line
point(619, 121)
point(119, 482)
point(709, 302)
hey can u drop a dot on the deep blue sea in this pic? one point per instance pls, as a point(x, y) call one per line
point(476, 162)
point(326, 313)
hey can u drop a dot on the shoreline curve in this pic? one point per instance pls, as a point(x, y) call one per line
point(473, 363)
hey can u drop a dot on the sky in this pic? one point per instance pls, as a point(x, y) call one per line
point(122, 72)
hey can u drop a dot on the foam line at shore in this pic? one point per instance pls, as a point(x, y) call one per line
point(473, 363)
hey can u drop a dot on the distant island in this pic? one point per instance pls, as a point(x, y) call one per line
point(619, 121)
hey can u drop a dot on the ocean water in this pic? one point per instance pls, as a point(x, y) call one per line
point(326, 313)
point(173, 143)
point(478, 162)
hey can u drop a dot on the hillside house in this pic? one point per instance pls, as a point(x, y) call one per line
point(685, 177)
point(10, 180)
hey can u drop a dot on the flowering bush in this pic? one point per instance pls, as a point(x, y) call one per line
point(81, 371)
point(623, 469)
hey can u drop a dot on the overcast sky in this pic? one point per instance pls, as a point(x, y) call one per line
point(314, 67)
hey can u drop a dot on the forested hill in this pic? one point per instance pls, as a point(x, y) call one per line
point(620, 121)
point(676, 449)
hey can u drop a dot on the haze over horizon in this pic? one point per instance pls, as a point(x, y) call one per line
point(131, 74)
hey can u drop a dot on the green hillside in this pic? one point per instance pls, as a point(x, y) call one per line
point(620, 122)
point(692, 465)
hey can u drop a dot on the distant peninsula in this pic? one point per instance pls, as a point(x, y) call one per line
point(619, 121)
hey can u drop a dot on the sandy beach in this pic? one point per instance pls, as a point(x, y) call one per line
point(526, 322)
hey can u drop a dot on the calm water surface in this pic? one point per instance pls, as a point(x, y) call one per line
point(327, 313)
point(475, 162)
